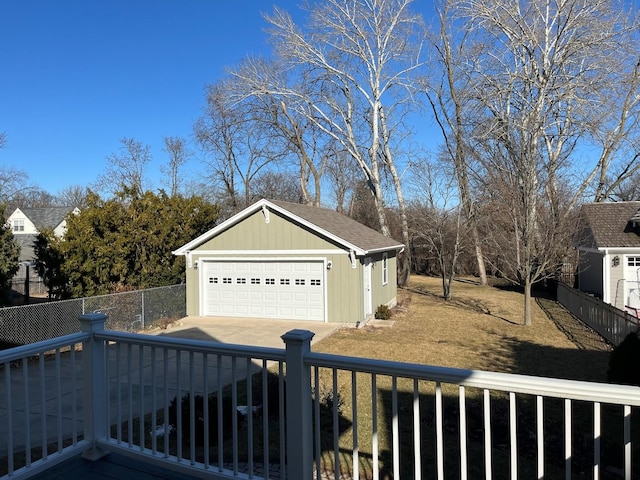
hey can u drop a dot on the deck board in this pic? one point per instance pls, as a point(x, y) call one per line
point(111, 467)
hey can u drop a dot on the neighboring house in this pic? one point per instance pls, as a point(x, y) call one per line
point(26, 223)
point(283, 260)
point(609, 253)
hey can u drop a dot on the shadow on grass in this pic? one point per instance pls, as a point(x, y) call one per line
point(582, 454)
point(531, 359)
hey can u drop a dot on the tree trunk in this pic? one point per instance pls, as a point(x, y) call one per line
point(482, 271)
point(527, 301)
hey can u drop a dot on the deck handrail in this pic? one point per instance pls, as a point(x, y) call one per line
point(32, 349)
point(192, 345)
point(135, 355)
point(508, 382)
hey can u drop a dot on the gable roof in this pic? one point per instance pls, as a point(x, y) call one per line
point(610, 224)
point(25, 242)
point(347, 232)
point(47, 217)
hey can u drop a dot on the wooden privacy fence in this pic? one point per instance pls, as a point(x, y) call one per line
point(610, 322)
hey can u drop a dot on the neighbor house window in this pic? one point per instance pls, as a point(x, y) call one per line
point(633, 261)
point(385, 269)
point(18, 225)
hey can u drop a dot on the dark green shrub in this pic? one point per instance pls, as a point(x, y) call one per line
point(383, 313)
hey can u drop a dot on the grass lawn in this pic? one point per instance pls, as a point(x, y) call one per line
point(480, 329)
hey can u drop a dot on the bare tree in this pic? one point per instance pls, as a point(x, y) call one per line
point(450, 97)
point(176, 149)
point(33, 197)
point(14, 186)
point(617, 133)
point(3, 139)
point(627, 191)
point(344, 178)
point(126, 169)
point(277, 186)
point(436, 219)
point(301, 141)
point(356, 60)
point(237, 151)
point(73, 196)
point(538, 81)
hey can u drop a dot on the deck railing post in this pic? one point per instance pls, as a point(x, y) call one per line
point(299, 429)
point(94, 402)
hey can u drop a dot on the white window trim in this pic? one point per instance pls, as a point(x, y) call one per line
point(385, 269)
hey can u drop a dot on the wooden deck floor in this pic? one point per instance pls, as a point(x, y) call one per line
point(110, 467)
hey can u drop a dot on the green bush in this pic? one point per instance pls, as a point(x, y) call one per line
point(383, 313)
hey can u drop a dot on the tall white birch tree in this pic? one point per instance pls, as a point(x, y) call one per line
point(356, 60)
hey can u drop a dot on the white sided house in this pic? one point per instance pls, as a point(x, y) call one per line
point(26, 223)
point(280, 260)
point(609, 254)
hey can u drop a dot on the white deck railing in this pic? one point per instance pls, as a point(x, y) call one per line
point(345, 417)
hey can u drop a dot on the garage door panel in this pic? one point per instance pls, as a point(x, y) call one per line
point(271, 296)
point(288, 290)
point(316, 297)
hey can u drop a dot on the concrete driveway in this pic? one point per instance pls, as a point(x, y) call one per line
point(246, 331)
point(240, 331)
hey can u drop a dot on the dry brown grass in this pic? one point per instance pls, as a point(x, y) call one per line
point(480, 329)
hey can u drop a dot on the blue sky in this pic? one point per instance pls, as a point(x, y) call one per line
point(79, 75)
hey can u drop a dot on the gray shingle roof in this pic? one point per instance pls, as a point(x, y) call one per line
point(323, 221)
point(341, 226)
point(47, 217)
point(610, 224)
point(25, 241)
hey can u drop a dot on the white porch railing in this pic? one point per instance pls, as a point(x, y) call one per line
point(346, 417)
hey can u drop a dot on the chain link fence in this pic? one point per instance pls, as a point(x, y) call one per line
point(28, 275)
point(129, 311)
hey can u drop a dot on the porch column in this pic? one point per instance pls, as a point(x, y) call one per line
point(94, 386)
point(298, 411)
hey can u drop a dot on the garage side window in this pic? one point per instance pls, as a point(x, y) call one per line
point(385, 269)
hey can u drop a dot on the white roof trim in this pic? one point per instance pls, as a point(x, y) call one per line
point(262, 204)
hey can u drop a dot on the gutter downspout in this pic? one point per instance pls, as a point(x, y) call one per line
point(606, 277)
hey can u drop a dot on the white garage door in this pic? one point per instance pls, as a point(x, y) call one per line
point(283, 290)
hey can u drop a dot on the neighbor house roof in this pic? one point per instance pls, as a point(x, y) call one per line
point(47, 217)
point(26, 242)
point(351, 234)
point(612, 224)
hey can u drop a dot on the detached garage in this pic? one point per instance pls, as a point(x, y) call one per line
point(283, 260)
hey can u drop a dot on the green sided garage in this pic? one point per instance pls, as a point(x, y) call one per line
point(285, 261)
